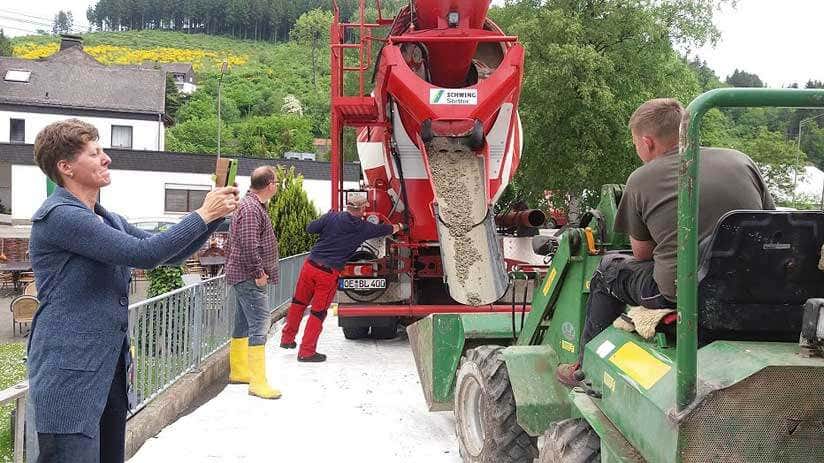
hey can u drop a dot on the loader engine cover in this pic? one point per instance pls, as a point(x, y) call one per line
point(775, 415)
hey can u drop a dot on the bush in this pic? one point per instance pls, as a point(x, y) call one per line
point(164, 279)
point(291, 211)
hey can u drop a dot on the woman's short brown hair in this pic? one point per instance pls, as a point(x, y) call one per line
point(60, 141)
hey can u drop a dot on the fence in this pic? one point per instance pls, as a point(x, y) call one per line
point(172, 334)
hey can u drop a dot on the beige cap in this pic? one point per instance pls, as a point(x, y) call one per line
point(356, 201)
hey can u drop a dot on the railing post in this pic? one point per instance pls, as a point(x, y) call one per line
point(197, 331)
point(19, 427)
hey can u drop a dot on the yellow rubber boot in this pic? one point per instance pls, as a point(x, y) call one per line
point(239, 361)
point(257, 367)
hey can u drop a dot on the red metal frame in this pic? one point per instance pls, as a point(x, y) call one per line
point(416, 310)
point(349, 111)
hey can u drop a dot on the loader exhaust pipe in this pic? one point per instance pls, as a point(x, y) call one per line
point(529, 218)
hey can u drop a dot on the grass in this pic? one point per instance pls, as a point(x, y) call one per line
point(12, 371)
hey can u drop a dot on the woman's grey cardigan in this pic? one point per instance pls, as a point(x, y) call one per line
point(82, 268)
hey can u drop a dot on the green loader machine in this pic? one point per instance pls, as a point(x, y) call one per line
point(737, 377)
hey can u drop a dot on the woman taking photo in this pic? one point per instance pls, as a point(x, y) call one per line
point(81, 255)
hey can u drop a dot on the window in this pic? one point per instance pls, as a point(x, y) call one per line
point(17, 131)
point(185, 198)
point(17, 76)
point(121, 136)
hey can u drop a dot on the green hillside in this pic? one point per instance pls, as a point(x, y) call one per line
point(269, 103)
point(585, 72)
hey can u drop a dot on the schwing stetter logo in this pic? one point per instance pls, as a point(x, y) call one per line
point(467, 96)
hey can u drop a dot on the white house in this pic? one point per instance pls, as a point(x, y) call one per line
point(125, 103)
point(811, 186)
point(155, 184)
point(183, 74)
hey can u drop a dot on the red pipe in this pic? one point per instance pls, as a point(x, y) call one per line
point(452, 39)
point(527, 218)
point(420, 310)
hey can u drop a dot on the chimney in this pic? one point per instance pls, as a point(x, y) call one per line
point(68, 41)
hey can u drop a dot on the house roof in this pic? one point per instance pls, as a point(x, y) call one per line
point(165, 161)
point(176, 67)
point(180, 68)
point(73, 79)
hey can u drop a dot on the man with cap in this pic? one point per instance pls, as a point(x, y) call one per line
point(341, 233)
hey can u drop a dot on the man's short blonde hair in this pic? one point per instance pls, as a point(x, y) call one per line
point(659, 118)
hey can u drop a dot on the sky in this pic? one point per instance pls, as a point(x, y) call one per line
point(774, 39)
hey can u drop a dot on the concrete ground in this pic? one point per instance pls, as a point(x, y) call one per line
point(6, 336)
point(363, 405)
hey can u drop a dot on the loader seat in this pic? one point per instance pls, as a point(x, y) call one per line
point(756, 271)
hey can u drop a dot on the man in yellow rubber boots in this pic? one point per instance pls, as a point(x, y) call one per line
point(252, 265)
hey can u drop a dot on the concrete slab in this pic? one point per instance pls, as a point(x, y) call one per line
point(363, 405)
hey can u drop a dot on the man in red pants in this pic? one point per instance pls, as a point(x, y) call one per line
point(341, 233)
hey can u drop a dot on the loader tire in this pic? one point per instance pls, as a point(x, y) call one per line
point(485, 411)
point(355, 332)
point(570, 441)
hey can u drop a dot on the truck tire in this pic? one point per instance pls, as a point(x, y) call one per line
point(570, 441)
point(355, 332)
point(485, 411)
point(385, 332)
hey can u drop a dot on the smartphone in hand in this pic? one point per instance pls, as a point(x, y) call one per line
point(225, 172)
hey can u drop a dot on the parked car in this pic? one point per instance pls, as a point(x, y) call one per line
point(159, 224)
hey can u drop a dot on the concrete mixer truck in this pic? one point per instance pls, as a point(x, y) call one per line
point(438, 140)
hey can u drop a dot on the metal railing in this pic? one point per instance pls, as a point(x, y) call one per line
point(171, 335)
point(17, 394)
point(174, 332)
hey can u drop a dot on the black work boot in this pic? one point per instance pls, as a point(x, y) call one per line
point(316, 357)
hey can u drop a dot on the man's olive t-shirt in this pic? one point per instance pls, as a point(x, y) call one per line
point(728, 179)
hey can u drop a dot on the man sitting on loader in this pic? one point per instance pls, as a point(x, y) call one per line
point(729, 180)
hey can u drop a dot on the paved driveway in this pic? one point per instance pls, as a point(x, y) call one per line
point(363, 405)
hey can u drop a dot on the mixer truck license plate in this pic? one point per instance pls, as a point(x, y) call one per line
point(363, 283)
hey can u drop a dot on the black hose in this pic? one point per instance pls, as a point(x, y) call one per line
point(523, 307)
point(512, 284)
point(397, 157)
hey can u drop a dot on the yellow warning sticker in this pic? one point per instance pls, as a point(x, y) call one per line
point(568, 346)
point(609, 381)
point(639, 364)
point(548, 282)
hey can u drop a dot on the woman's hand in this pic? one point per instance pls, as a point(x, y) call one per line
point(218, 203)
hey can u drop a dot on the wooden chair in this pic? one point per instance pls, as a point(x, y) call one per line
point(26, 278)
point(23, 309)
point(6, 280)
point(31, 289)
point(138, 274)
